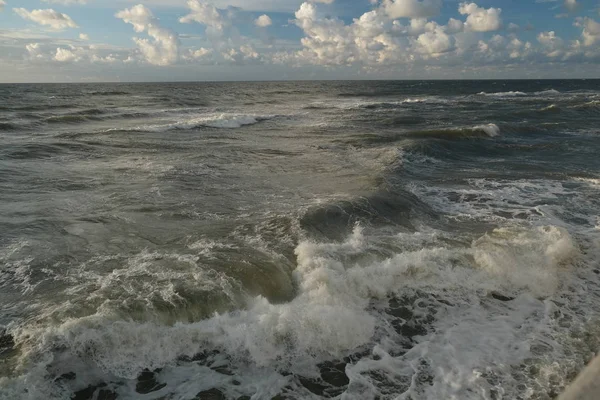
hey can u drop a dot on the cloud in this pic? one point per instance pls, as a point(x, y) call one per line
point(480, 19)
point(591, 31)
point(571, 5)
point(51, 18)
point(34, 51)
point(553, 46)
point(66, 2)
point(45, 53)
point(197, 54)
point(203, 13)
point(65, 55)
point(263, 21)
point(412, 8)
point(377, 42)
point(84, 36)
point(435, 42)
point(163, 49)
point(2, 4)
point(229, 45)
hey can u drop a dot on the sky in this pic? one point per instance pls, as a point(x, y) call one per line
point(207, 40)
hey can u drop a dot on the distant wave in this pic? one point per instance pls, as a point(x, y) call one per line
point(550, 92)
point(222, 121)
point(374, 104)
point(487, 130)
point(547, 92)
point(594, 104)
point(108, 93)
point(503, 94)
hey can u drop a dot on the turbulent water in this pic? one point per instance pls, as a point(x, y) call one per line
point(300, 240)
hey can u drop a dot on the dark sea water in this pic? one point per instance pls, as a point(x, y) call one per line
point(299, 240)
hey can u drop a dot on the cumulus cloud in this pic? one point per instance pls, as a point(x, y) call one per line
point(2, 4)
point(263, 21)
point(51, 18)
point(65, 55)
point(412, 8)
point(197, 54)
point(229, 45)
point(203, 13)
point(435, 42)
point(455, 26)
point(84, 36)
point(163, 48)
point(591, 31)
point(552, 45)
point(38, 52)
point(480, 19)
point(375, 41)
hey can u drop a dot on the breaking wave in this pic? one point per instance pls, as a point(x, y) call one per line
point(222, 121)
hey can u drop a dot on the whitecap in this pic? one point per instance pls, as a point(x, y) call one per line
point(492, 130)
point(503, 94)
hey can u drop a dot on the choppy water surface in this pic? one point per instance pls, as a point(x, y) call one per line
point(353, 240)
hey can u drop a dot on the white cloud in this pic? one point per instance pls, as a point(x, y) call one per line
point(455, 26)
point(139, 16)
point(66, 2)
point(591, 31)
point(553, 46)
point(412, 8)
point(48, 52)
point(435, 42)
point(571, 4)
point(480, 19)
point(65, 55)
point(51, 18)
point(512, 27)
point(163, 49)
point(197, 54)
point(203, 13)
point(263, 21)
point(2, 4)
point(84, 36)
point(34, 51)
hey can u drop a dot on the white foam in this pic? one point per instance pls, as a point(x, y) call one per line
point(492, 130)
point(331, 314)
point(216, 120)
point(503, 94)
point(550, 92)
point(593, 182)
point(525, 258)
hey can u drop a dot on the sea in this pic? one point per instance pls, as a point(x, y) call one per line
point(352, 240)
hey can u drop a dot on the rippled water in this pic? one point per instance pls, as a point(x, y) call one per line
point(301, 240)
